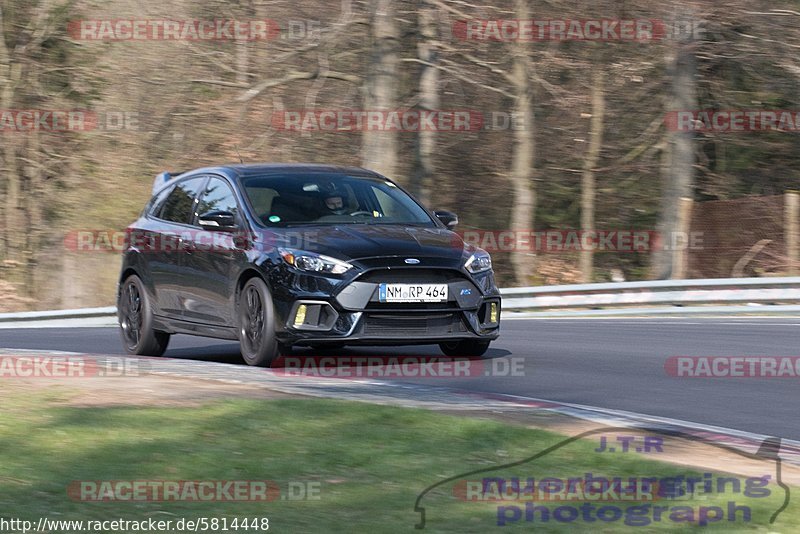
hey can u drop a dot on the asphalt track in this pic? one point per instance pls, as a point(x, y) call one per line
point(609, 363)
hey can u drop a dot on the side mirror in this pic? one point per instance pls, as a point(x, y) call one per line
point(217, 220)
point(448, 218)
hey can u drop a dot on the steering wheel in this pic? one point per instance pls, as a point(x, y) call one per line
point(367, 213)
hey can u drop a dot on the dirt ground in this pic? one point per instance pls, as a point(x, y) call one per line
point(146, 390)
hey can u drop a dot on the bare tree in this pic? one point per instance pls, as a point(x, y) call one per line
point(523, 209)
point(21, 70)
point(679, 159)
point(379, 148)
point(428, 53)
point(10, 78)
point(588, 187)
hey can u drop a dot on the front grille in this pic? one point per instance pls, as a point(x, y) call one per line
point(404, 306)
point(383, 325)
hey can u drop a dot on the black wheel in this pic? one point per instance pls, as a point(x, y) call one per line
point(136, 320)
point(467, 347)
point(257, 324)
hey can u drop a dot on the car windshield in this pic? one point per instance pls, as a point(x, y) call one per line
point(331, 199)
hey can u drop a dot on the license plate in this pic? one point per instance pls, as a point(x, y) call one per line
point(413, 293)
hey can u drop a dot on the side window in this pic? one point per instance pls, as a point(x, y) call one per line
point(387, 203)
point(178, 205)
point(217, 196)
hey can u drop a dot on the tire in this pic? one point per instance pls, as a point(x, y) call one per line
point(135, 316)
point(467, 347)
point(257, 324)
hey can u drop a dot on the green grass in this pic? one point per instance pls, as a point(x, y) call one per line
point(371, 463)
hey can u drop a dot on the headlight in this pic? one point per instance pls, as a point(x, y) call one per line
point(312, 262)
point(479, 262)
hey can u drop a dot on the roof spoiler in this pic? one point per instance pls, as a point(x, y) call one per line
point(163, 178)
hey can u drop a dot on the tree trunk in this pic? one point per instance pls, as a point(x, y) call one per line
point(242, 61)
point(20, 154)
point(424, 168)
point(791, 229)
point(10, 76)
point(588, 189)
point(379, 148)
point(678, 162)
point(524, 203)
point(13, 230)
point(34, 221)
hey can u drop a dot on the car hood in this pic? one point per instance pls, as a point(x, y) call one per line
point(361, 241)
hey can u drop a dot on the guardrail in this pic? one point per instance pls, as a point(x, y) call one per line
point(723, 295)
point(678, 293)
point(80, 313)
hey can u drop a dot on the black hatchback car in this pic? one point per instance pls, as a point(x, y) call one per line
point(307, 255)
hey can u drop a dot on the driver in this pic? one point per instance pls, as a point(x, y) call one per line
point(335, 203)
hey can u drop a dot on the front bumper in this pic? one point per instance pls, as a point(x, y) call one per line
point(353, 313)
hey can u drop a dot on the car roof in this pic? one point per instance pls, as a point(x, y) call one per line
point(257, 169)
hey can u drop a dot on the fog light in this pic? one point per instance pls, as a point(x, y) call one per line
point(300, 316)
point(493, 312)
point(312, 315)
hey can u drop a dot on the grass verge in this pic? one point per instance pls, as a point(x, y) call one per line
point(367, 462)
